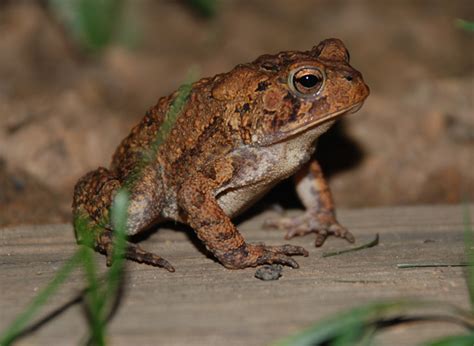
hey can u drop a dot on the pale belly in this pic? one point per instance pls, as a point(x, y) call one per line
point(262, 170)
point(236, 201)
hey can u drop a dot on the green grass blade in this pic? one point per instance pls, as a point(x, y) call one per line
point(465, 24)
point(372, 243)
point(119, 214)
point(352, 326)
point(469, 242)
point(346, 323)
point(454, 340)
point(98, 21)
point(94, 301)
point(85, 231)
point(100, 295)
point(171, 116)
point(206, 8)
point(22, 320)
point(432, 265)
point(103, 294)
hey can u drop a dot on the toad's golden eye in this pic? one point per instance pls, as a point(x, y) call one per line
point(306, 81)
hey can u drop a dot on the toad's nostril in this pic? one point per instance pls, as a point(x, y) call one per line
point(349, 77)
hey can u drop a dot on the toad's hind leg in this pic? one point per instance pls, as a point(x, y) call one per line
point(320, 217)
point(93, 196)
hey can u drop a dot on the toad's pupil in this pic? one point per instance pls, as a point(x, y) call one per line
point(308, 80)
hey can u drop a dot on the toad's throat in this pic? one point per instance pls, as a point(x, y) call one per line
point(310, 123)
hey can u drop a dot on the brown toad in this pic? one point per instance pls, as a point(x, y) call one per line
point(238, 134)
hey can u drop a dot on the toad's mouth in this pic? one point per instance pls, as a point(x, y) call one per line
point(310, 123)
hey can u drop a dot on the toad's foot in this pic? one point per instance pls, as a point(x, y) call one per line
point(252, 255)
point(323, 224)
point(133, 252)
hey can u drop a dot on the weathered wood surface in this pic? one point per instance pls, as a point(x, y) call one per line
point(203, 303)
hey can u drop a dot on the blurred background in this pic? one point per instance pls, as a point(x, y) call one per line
point(76, 75)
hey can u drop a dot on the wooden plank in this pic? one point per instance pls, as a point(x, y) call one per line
point(203, 303)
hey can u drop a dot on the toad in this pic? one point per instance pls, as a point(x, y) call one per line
point(236, 136)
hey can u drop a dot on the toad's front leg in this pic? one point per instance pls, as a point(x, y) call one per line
point(320, 216)
point(215, 229)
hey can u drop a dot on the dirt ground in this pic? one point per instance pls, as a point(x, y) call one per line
point(62, 114)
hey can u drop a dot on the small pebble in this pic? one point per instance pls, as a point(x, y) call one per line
point(269, 272)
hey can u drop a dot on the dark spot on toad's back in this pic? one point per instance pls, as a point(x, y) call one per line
point(244, 109)
point(270, 67)
point(262, 86)
point(267, 112)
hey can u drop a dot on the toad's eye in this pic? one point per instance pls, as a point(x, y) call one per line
point(306, 81)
